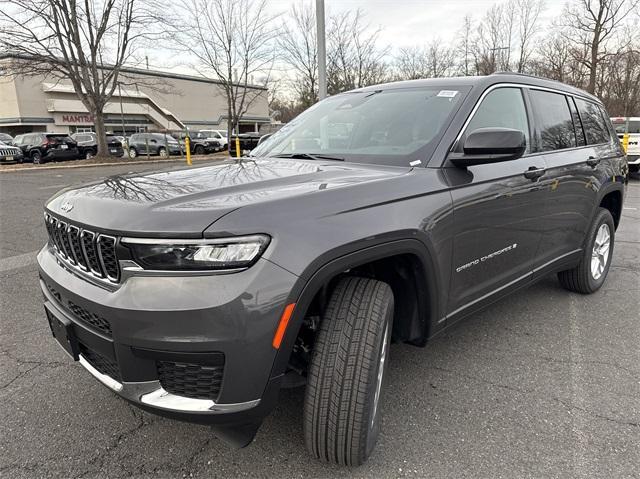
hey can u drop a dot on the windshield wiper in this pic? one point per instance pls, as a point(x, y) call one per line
point(308, 156)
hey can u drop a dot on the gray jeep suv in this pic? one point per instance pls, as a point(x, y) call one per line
point(380, 215)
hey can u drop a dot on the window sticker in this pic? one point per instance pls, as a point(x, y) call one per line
point(448, 93)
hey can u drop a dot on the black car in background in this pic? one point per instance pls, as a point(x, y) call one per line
point(88, 145)
point(200, 144)
point(43, 147)
point(9, 153)
point(248, 141)
point(6, 139)
point(153, 144)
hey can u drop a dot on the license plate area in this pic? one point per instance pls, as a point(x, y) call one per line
point(62, 331)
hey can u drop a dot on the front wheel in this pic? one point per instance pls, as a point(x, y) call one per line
point(88, 155)
point(589, 275)
point(199, 150)
point(345, 379)
point(133, 152)
point(163, 152)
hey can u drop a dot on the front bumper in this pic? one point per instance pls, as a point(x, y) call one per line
point(149, 321)
point(633, 159)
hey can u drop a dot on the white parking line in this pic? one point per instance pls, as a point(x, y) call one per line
point(18, 261)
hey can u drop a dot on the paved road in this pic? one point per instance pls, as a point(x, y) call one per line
point(542, 384)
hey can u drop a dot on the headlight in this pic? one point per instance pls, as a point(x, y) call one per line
point(214, 254)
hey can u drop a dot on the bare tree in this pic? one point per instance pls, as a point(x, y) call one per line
point(234, 41)
point(354, 58)
point(298, 45)
point(528, 26)
point(86, 43)
point(464, 48)
point(411, 63)
point(592, 24)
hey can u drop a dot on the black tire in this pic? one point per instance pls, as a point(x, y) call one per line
point(89, 154)
point(133, 153)
point(341, 420)
point(36, 157)
point(162, 152)
point(581, 278)
point(199, 150)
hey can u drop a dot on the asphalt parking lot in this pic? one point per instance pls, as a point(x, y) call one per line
point(543, 384)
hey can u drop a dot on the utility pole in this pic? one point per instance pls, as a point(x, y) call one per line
point(322, 50)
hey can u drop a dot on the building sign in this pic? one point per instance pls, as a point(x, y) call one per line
point(74, 119)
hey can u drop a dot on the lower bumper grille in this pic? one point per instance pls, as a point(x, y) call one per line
point(101, 363)
point(87, 318)
point(190, 380)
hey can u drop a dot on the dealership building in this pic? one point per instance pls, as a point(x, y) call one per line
point(145, 100)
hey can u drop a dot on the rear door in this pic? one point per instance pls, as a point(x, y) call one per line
point(572, 179)
point(498, 211)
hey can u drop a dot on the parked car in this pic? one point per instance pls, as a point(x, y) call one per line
point(6, 138)
point(10, 154)
point(630, 126)
point(157, 143)
point(381, 215)
point(218, 135)
point(88, 145)
point(43, 147)
point(248, 141)
point(200, 144)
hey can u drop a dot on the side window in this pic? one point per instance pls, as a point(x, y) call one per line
point(553, 118)
point(595, 128)
point(576, 122)
point(502, 108)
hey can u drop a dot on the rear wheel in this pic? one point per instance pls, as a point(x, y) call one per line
point(36, 157)
point(591, 272)
point(345, 380)
point(162, 152)
point(133, 153)
point(199, 150)
point(88, 155)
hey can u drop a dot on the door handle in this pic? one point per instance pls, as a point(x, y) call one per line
point(593, 161)
point(534, 173)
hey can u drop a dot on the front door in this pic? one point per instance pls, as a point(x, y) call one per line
point(498, 211)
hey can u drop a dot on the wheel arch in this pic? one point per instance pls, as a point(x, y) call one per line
point(322, 272)
point(611, 198)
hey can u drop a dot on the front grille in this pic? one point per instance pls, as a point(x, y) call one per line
point(4, 152)
point(102, 363)
point(190, 380)
point(92, 320)
point(90, 251)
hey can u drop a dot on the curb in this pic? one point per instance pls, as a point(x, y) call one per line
point(115, 163)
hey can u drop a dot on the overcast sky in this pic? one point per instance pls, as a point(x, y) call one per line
point(411, 22)
point(402, 22)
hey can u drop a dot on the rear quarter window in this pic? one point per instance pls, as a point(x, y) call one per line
point(595, 128)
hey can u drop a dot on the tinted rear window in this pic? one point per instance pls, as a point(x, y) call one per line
point(593, 122)
point(554, 121)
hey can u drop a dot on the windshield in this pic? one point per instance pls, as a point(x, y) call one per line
point(392, 127)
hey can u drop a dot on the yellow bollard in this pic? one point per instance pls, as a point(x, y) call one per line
point(187, 146)
point(625, 142)
point(237, 147)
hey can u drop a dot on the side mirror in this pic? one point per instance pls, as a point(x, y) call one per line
point(490, 145)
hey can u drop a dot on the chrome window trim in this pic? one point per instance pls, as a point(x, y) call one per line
point(513, 85)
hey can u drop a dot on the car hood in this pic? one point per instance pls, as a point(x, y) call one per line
point(185, 202)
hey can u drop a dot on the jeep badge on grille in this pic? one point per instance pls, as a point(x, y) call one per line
point(66, 206)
